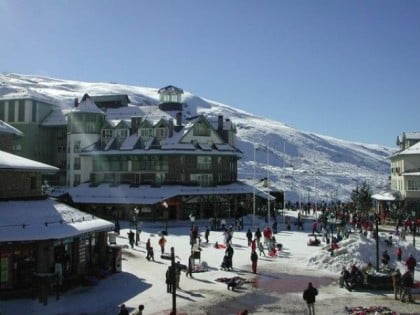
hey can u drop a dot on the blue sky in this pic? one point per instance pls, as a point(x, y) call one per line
point(348, 69)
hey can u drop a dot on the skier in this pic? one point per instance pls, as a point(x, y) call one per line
point(407, 282)
point(258, 235)
point(261, 249)
point(149, 250)
point(190, 266)
point(411, 264)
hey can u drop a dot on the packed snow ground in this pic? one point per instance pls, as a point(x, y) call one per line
point(143, 282)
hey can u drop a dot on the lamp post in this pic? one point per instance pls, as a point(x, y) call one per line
point(414, 227)
point(165, 205)
point(377, 241)
point(136, 218)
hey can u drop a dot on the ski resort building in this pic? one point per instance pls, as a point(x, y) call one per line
point(405, 170)
point(115, 157)
point(43, 241)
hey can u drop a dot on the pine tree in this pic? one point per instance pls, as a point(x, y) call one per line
point(362, 197)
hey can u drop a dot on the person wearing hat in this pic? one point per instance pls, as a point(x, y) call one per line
point(309, 296)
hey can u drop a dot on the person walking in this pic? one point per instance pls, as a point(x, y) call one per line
point(254, 260)
point(131, 238)
point(309, 296)
point(162, 242)
point(261, 248)
point(396, 283)
point(249, 236)
point(407, 283)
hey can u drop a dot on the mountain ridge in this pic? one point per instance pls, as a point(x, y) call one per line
point(308, 166)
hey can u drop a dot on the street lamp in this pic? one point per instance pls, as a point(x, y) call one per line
point(377, 241)
point(414, 227)
point(136, 218)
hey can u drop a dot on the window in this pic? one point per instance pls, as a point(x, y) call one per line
point(76, 165)
point(204, 180)
point(11, 111)
point(204, 162)
point(107, 133)
point(76, 180)
point(21, 111)
point(34, 110)
point(413, 184)
point(76, 148)
point(146, 132)
point(122, 133)
point(162, 132)
point(2, 110)
point(201, 129)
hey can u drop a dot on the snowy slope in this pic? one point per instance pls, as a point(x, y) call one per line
point(307, 165)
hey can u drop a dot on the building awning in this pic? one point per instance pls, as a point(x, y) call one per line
point(45, 219)
point(383, 197)
point(149, 195)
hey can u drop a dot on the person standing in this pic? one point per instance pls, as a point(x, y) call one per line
point(207, 234)
point(258, 235)
point(309, 296)
point(123, 310)
point(249, 236)
point(399, 253)
point(254, 260)
point(149, 250)
point(190, 265)
point(253, 245)
point(140, 310)
point(162, 242)
point(169, 278)
point(261, 248)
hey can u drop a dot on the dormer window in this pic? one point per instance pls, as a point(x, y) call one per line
point(106, 133)
point(201, 130)
point(123, 133)
point(162, 132)
point(146, 132)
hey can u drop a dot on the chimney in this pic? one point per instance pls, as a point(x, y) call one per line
point(135, 123)
point(220, 123)
point(76, 102)
point(171, 127)
point(179, 119)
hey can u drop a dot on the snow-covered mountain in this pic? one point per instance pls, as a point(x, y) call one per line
point(307, 166)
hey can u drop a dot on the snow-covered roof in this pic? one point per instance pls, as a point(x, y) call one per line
point(130, 142)
point(148, 195)
point(45, 219)
point(171, 89)
point(56, 118)
point(87, 105)
point(13, 162)
point(412, 135)
point(385, 196)
point(414, 149)
point(6, 128)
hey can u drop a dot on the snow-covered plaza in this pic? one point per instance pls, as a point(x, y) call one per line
point(276, 288)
